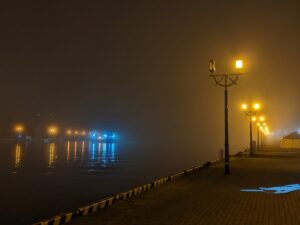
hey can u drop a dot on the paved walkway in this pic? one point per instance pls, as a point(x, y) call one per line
point(209, 197)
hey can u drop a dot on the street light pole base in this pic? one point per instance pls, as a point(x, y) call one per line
point(227, 171)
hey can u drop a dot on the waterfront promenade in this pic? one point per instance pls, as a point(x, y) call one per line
point(210, 197)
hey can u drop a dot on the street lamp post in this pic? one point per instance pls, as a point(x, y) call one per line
point(260, 129)
point(250, 112)
point(225, 81)
point(261, 137)
point(258, 134)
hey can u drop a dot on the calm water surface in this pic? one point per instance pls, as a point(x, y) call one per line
point(39, 180)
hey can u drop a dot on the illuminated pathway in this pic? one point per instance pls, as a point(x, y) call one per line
point(260, 190)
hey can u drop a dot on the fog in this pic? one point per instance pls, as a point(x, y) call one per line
point(141, 68)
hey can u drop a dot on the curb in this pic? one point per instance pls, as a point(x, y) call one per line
point(104, 203)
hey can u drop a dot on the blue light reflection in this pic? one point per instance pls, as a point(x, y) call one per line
point(93, 152)
point(98, 154)
point(276, 190)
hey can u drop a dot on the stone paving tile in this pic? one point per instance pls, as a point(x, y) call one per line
point(209, 197)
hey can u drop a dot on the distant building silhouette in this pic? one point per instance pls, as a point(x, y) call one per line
point(292, 140)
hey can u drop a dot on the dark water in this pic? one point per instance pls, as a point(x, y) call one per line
point(39, 180)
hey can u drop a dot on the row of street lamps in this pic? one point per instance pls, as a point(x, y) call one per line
point(262, 131)
point(262, 128)
point(251, 111)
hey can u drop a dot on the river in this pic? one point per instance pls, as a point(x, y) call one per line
point(40, 180)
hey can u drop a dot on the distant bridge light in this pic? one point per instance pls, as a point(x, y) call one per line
point(19, 129)
point(52, 130)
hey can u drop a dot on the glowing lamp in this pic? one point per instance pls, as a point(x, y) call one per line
point(239, 64)
point(52, 130)
point(256, 106)
point(19, 128)
point(244, 106)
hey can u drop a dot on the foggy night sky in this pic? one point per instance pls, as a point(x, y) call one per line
point(141, 67)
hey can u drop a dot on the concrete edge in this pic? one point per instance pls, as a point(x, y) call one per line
point(103, 203)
